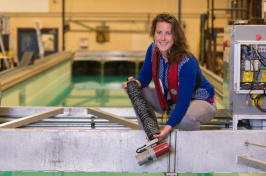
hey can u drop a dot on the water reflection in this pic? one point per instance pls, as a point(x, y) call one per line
point(58, 87)
point(42, 90)
point(92, 91)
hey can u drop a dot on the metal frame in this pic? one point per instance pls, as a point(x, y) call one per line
point(251, 162)
point(114, 118)
point(237, 117)
point(108, 56)
point(4, 52)
point(84, 24)
point(5, 30)
point(32, 118)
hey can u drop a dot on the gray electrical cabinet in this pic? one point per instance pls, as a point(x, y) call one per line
point(244, 84)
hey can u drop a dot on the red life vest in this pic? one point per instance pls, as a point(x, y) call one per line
point(172, 80)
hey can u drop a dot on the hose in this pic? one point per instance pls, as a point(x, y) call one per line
point(140, 105)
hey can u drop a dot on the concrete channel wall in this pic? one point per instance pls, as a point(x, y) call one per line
point(12, 77)
point(114, 151)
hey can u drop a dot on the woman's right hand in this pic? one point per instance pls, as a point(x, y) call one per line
point(124, 84)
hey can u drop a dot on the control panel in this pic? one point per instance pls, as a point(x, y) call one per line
point(250, 67)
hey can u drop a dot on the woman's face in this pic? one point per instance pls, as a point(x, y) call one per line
point(163, 36)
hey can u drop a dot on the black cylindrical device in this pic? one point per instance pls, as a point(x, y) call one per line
point(140, 105)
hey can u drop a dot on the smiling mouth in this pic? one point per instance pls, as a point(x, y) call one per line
point(163, 43)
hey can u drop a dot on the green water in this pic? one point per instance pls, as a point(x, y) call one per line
point(93, 91)
point(80, 92)
point(57, 87)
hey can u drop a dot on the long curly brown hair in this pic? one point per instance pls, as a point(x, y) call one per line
point(180, 46)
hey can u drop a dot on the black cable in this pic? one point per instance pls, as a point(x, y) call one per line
point(141, 149)
point(259, 57)
point(255, 77)
point(249, 95)
point(256, 101)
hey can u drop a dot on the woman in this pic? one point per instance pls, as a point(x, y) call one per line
point(180, 88)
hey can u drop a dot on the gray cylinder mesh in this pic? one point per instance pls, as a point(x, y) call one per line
point(149, 123)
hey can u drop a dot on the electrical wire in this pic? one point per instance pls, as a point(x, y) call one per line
point(259, 56)
point(255, 77)
point(256, 101)
point(141, 149)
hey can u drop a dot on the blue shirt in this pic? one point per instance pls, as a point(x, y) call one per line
point(189, 74)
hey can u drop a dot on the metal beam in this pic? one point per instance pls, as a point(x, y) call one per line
point(93, 29)
point(117, 31)
point(86, 26)
point(27, 111)
point(251, 162)
point(255, 144)
point(32, 118)
point(114, 118)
